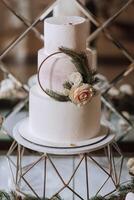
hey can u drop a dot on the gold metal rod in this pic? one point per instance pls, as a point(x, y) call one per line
point(19, 38)
point(108, 21)
point(22, 19)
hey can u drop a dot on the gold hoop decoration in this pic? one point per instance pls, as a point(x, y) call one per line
point(81, 63)
point(55, 95)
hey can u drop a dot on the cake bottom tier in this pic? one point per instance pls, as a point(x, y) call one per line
point(62, 121)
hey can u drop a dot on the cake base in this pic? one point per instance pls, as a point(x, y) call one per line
point(24, 131)
point(62, 121)
point(58, 150)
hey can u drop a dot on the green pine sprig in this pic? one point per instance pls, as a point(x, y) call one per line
point(14, 196)
point(119, 195)
point(34, 198)
point(4, 195)
point(80, 61)
point(97, 198)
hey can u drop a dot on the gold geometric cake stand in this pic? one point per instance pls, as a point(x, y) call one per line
point(84, 156)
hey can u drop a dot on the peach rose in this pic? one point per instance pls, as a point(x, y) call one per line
point(81, 95)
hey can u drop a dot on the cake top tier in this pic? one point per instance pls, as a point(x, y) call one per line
point(70, 32)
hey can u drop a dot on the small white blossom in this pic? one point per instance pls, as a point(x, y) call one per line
point(75, 78)
point(66, 92)
point(6, 85)
point(126, 89)
point(114, 92)
point(130, 163)
point(130, 166)
point(130, 196)
point(131, 170)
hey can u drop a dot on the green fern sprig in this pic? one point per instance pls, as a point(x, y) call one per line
point(80, 61)
point(4, 195)
point(34, 198)
point(120, 194)
point(97, 198)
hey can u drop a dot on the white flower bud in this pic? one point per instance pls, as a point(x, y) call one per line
point(66, 92)
point(130, 163)
point(130, 196)
point(131, 170)
point(75, 78)
point(114, 92)
point(126, 89)
point(6, 85)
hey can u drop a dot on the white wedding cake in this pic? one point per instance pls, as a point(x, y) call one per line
point(69, 111)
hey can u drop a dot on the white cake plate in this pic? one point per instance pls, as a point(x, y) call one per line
point(24, 131)
point(23, 136)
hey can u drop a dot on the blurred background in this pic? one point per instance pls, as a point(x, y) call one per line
point(21, 61)
point(113, 56)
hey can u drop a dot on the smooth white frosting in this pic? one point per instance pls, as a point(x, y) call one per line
point(59, 32)
point(68, 31)
point(52, 120)
point(62, 121)
point(67, 8)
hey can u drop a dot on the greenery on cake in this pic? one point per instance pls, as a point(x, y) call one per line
point(79, 87)
point(81, 63)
